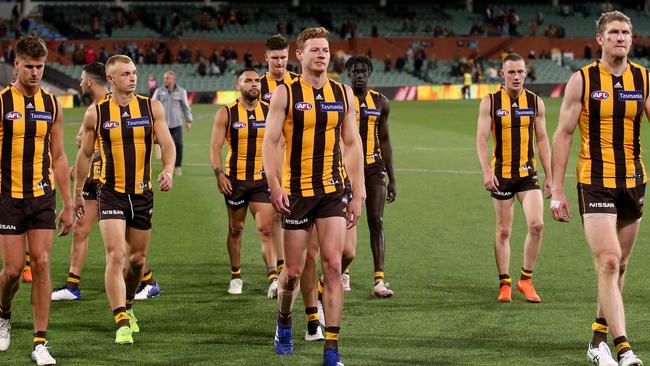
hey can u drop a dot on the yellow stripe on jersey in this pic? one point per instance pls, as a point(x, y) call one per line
point(610, 124)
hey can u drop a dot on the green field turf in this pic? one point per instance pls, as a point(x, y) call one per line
point(440, 262)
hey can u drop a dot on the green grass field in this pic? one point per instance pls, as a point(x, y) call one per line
point(440, 262)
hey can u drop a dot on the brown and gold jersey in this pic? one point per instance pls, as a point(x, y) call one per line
point(25, 158)
point(125, 136)
point(610, 126)
point(268, 84)
point(312, 131)
point(513, 131)
point(244, 134)
point(369, 108)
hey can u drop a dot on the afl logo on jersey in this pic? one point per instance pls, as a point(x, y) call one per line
point(599, 95)
point(110, 124)
point(13, 115)
point(267, 96)
point(303, 106)
point(502, 112)
point(239, 125)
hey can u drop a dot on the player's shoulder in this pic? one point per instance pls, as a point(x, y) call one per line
point(638, 66)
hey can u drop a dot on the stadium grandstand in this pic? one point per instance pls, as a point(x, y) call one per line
point(414, 45)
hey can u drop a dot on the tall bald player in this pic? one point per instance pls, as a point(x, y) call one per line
point(126, 125)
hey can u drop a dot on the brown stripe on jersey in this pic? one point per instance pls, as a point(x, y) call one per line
point(145, 105)
point(362, 125)
point(594, 127)
point(28, 149)
point(318, 162)
point(618, 134)
point(498, 134)
point(251, 146)
point(515, 138)
point(128, 148)
point(233, 112)
point(296, 138)
point(7, 143)
point(49, 103)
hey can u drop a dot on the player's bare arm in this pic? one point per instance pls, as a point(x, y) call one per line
point(387, 149)
point(543, 146)
point(167, 147)
point(61, 173)
point(271, 149)
point(483, 131)
point(84, 155)
point(568, 120)
point(353, 160)
point(216, 144)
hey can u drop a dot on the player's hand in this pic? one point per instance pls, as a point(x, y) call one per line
point(166, 181)
point(65, 220)
point(280, 201)
point(490, 182)
point(225, 186)
point(560, 209)
point(188, 126)
point(391, 192)
point(354, 212)
point(79, 205)
point(547, 188)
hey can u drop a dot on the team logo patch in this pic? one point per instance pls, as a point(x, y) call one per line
point(524, 112)
point(110, 124)
point(630, 95)
point(502, 112)
point(331, 106)
point(13, 115)
point(599, 95)
point(303, 106)
point(258, 124)
point(267, 96)
point(239, 125)
point(138, 122)
point(40, 116)
point(372, 112)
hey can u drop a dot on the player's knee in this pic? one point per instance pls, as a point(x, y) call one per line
point(293, 277)
point(80, 231)
point(609, 264)
point(236, 230)
point(40, 263)
point(116, 257)
point(621, 269)
point(12, 273)
point(376, 225)
point(265, 232)
point(331, 266)
point(349, 254)
point(312, 256)
point(536, 227)
point(503, 233)
point(137, 260)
